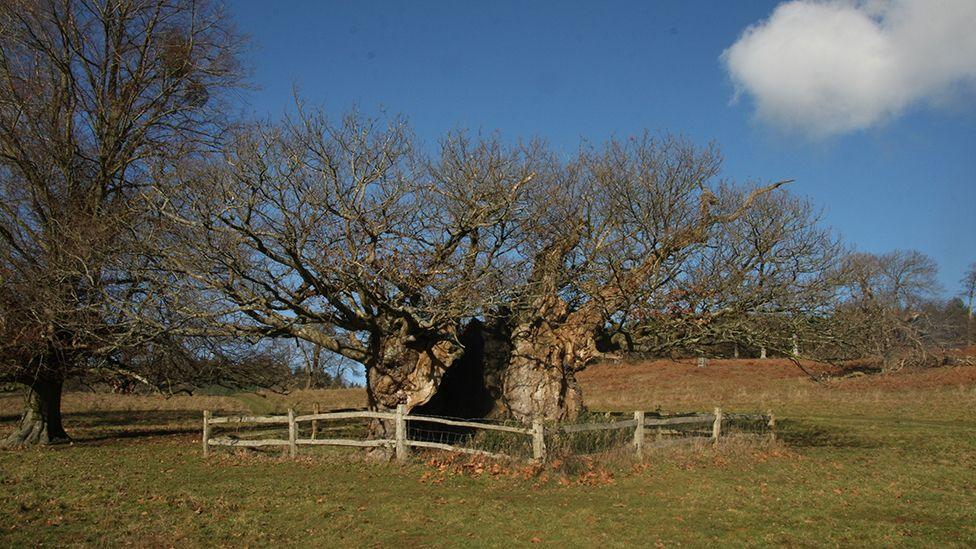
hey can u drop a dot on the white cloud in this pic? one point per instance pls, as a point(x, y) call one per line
point(830, 67)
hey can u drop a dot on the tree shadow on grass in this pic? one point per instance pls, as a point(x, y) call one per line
point(122, 418)
point(106, 437)
point(801, 434)
point(103, 427)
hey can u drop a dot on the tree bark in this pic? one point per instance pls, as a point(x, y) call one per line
point(532, 387)
point(404, 371)
point(41, 421)
point(408, 373)
point(547, 349)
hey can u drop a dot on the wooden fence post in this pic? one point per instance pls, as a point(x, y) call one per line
point(717, 425)
point(292, 434)
point(538, 439)
point(771, 425)
point(639, 433)
point(315, 422)
point(401, 433)
point(206, 433)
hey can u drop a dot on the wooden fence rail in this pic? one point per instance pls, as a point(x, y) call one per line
point(401, 443)
point(641, 424)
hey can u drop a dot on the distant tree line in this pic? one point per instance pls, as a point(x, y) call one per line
point(147, 235)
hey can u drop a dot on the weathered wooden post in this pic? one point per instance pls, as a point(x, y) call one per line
point(796, 345)
point(702, 362)
point(772, 425)
point(206, 433)
point(315, 422)
point(717, 425)
point(639, 433)
point(292, 434)
point(538, 439)
point(401, 433)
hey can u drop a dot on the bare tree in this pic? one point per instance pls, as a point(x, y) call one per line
point(752, 285)
point(485, 265)
point(96, 97)
point(322, 368)
point(344, 235)
point(613, 229)
point(969, 290)
point(881, 313)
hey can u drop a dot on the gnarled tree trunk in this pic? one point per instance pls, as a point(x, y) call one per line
point(407, 374)
point(404, 370)
point(41, 421)
point(547, 349)
point(518, 368)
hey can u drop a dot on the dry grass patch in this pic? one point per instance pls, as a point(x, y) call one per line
point(759, 385)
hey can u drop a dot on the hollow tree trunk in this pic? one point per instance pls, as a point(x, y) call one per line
point(407, 375)
point(471, 385)
point(404, 371)
point(41, 421)
point(514, 367)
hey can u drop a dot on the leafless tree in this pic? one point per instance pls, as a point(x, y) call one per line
point(753, 284)
point(344, 235)
point(881, 314)
point(498, 259)
point(322, 368)
point(612, 230)
point(969, 290)
point(96, 98)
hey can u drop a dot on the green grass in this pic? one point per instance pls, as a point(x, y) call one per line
point(850, 474)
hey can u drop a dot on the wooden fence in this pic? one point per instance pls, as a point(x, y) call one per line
point(401, 441)
point(641, 424)
point(662, 426)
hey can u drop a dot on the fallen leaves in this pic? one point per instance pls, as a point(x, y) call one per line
point(457, 464)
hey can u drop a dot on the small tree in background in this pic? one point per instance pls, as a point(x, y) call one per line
point(969, 290)
point(882, 311)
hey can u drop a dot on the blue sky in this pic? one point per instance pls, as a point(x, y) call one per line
point(570, 70)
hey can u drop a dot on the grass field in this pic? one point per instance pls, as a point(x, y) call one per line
point(875, 460)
